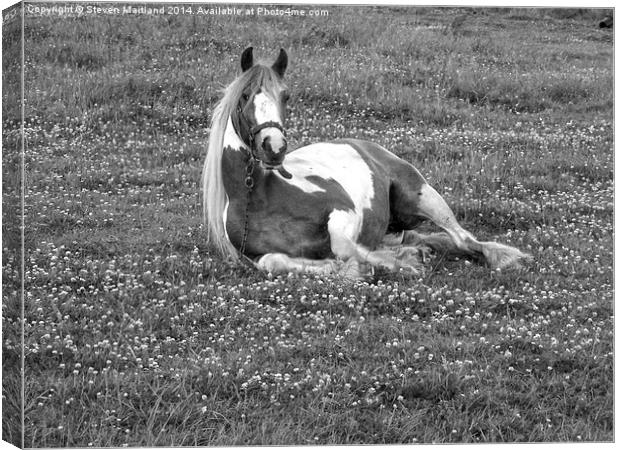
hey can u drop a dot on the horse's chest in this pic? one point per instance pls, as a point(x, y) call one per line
point(290, 222)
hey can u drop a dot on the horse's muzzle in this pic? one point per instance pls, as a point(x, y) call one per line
point(274, 151)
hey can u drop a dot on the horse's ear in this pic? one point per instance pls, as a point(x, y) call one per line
point(280, 65)
point(247, 59)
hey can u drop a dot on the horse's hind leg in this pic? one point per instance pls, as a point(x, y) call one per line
point(426, 202)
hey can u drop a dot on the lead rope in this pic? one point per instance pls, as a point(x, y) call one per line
point(249, 184)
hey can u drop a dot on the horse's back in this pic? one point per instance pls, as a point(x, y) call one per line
point(380, 161)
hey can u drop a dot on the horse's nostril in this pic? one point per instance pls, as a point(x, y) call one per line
point(266, 145)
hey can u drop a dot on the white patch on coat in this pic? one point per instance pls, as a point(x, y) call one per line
point(267, 110)
point(344, 228)
point(343, 164)
point(231, 138)
point(339, 162)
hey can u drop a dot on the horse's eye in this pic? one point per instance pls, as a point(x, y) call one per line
point(285, 96)
point(245, 97)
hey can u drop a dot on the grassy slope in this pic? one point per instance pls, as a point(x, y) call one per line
point(136, 333)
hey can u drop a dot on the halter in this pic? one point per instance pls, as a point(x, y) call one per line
point(258, 128)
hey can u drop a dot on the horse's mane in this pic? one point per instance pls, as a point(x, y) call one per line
point(214, 195)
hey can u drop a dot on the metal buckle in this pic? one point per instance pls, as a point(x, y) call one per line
point(249, 171)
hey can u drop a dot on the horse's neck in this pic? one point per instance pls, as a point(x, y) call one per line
point(232, 139)
point(234, 162)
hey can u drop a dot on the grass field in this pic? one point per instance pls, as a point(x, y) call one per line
point(138, 334)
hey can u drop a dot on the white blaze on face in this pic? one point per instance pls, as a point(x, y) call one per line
point(266, 110)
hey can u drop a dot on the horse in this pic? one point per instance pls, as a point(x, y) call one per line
point(343, 207)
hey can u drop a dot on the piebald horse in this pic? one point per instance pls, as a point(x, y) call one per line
point(339, 207)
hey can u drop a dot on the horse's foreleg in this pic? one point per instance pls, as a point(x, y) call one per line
point(432, 206)
point(281, 263)
point(342, 228)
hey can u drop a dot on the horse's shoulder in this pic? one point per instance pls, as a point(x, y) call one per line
point(360, 146)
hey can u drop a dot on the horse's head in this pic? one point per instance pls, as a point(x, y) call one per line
point(261, 109)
